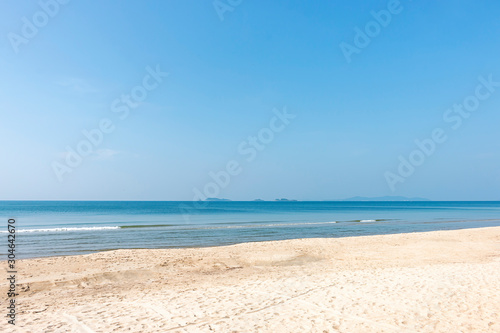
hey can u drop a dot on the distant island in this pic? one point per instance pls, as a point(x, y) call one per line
point(357, 198)
point(216, 199)
point(386, 198)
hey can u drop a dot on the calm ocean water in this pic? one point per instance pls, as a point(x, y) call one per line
point(49, 228)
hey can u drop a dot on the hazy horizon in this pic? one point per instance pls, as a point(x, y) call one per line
point(264, 200)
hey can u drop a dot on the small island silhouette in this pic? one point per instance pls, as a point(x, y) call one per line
point(357, 198)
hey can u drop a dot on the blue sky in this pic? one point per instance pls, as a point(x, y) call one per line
point(353, 120)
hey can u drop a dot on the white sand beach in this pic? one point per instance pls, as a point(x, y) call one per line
point(443, 281)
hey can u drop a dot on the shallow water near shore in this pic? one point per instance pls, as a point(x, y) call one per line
point(54, 228)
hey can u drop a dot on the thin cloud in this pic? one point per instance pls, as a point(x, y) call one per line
point(78, 85)
point(99, 154)
point(105, 154)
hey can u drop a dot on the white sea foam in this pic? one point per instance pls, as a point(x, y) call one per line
point(300, 223)
point(264, 225)
point(368, 221)
point(63, 229)
point(70, 229)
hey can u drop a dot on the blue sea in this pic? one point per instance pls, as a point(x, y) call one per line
point(55, 228)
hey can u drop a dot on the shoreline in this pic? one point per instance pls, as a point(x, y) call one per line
point(86, 252)
point(262, 243)
point(419, 281)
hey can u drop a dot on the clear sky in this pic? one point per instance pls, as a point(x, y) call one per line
point(359, 99)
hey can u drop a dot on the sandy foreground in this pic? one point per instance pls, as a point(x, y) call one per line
point(443, 281)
